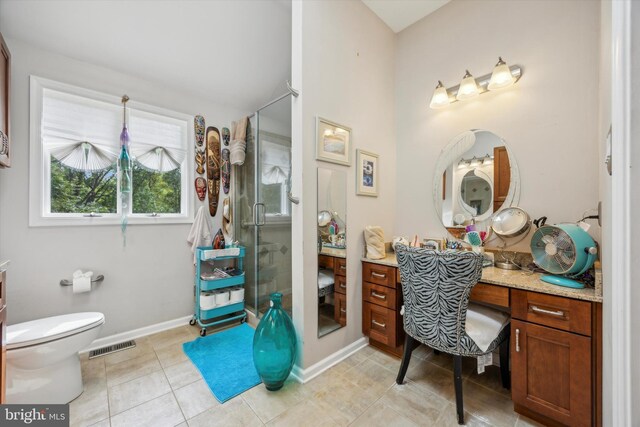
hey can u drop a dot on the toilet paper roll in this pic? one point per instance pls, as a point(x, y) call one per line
point(82, 282)
point(237, 295)
point(207, 301)
point(222, 298)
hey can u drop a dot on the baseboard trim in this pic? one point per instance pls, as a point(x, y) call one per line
point(306, 375)
point(137, 333)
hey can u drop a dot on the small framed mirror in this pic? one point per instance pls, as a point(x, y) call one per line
point(332, 250)
point(476, 176)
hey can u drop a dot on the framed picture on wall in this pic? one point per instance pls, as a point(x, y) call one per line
point(333, 142)
point(366, 173)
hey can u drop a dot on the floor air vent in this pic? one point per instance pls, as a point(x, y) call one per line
point(112, 349)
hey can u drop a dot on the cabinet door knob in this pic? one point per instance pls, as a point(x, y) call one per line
point(517, 340)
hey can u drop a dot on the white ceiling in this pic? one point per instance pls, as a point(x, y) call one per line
point(233, 52)
point(399, 14)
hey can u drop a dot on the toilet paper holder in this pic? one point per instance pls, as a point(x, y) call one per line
point(65, 282)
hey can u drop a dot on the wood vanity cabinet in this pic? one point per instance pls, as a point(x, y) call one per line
point(553, 358)
point(381, 304)
point(5, 75)
point(340, 290)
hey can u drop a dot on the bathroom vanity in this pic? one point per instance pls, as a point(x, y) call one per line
point(556, 337)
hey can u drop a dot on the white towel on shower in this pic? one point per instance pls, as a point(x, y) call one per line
point(200, 233)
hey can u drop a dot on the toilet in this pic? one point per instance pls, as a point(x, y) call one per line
point(43, 365)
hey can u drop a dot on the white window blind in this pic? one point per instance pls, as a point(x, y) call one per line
point(276, 163)
point(158, 143)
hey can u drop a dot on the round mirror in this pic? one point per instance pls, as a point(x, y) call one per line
point(476, 175)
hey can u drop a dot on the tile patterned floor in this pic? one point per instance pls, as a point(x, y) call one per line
point(154, 384)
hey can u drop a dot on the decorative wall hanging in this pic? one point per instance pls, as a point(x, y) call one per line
point(366, 173)
point(213, 168)
point(198, 127)
point(218, 240)
point(124, 171)
point(226, 136)
point(226, 171)
point(333, 142)
point(201, 188)
point(200, 159)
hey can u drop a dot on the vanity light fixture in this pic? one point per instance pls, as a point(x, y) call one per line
point(502, 76)
point(440, 98)
point(468, 87)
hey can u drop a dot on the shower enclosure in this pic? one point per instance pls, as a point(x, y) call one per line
point(262, 213)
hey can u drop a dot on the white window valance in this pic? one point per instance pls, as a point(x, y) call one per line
point(84, 133)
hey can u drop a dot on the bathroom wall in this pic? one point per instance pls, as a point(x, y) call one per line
point(549, 118)
point(148, 281)
point(344, 67)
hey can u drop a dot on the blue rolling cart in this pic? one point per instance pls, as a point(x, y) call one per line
point(205, 318)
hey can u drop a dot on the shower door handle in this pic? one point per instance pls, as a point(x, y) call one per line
point(256, 214)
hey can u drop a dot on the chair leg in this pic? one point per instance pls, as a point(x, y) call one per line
point(409, 345)
point(457, 381)
point(504, 363)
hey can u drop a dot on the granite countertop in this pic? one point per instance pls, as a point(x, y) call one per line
point(335, 252)
point(519, 279)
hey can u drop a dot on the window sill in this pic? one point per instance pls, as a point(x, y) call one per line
point(106, 220)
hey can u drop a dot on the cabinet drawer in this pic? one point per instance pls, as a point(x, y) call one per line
point(340, 267)
point(551, 373)
point(490, 294)
point(340, 308)
point(379, 295)
point(340, 285)
point(325, 261)
point(379, 274)
point(558, 312)
point(379, 323)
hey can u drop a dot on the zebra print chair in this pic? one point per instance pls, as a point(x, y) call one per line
point(436, 288)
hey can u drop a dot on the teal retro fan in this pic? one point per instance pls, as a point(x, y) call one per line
point(564, 250)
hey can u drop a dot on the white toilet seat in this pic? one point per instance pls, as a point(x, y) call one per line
point(50, 329)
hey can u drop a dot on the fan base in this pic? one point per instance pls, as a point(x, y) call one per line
point(562, 281)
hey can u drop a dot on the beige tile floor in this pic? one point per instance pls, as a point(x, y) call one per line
point(154, 384)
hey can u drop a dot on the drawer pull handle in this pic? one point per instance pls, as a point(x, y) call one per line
point(382, 325)
point(536, 309)
point(517, 340)
point(342, 310)
point(377, 295)
point(343, 267)
point(382, 276)
point(343, 285)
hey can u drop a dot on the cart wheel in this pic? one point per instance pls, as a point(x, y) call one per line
point(192, 322)
point(203, 332)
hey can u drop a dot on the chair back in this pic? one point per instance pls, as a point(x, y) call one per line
point(436, 288)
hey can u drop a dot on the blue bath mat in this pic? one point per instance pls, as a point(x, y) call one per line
point(225, 360)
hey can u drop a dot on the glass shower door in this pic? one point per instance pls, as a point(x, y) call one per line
point(263, 209)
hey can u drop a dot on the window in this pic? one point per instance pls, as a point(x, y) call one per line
point(276, 175)
point(75, 144)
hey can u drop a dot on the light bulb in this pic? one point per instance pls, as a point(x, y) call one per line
point(468, 87)
point(440, 98)
point(501, 76)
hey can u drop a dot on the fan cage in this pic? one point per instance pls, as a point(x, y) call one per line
point(553, 250)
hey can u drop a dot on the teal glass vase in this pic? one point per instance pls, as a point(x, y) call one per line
point(274, 345)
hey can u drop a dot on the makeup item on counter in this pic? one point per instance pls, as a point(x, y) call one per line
point(201, 188)
point(399, 240)
point(473, 237)
point(218, 240)
point(198, 127)
point(415, 243)
point(471, 227)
